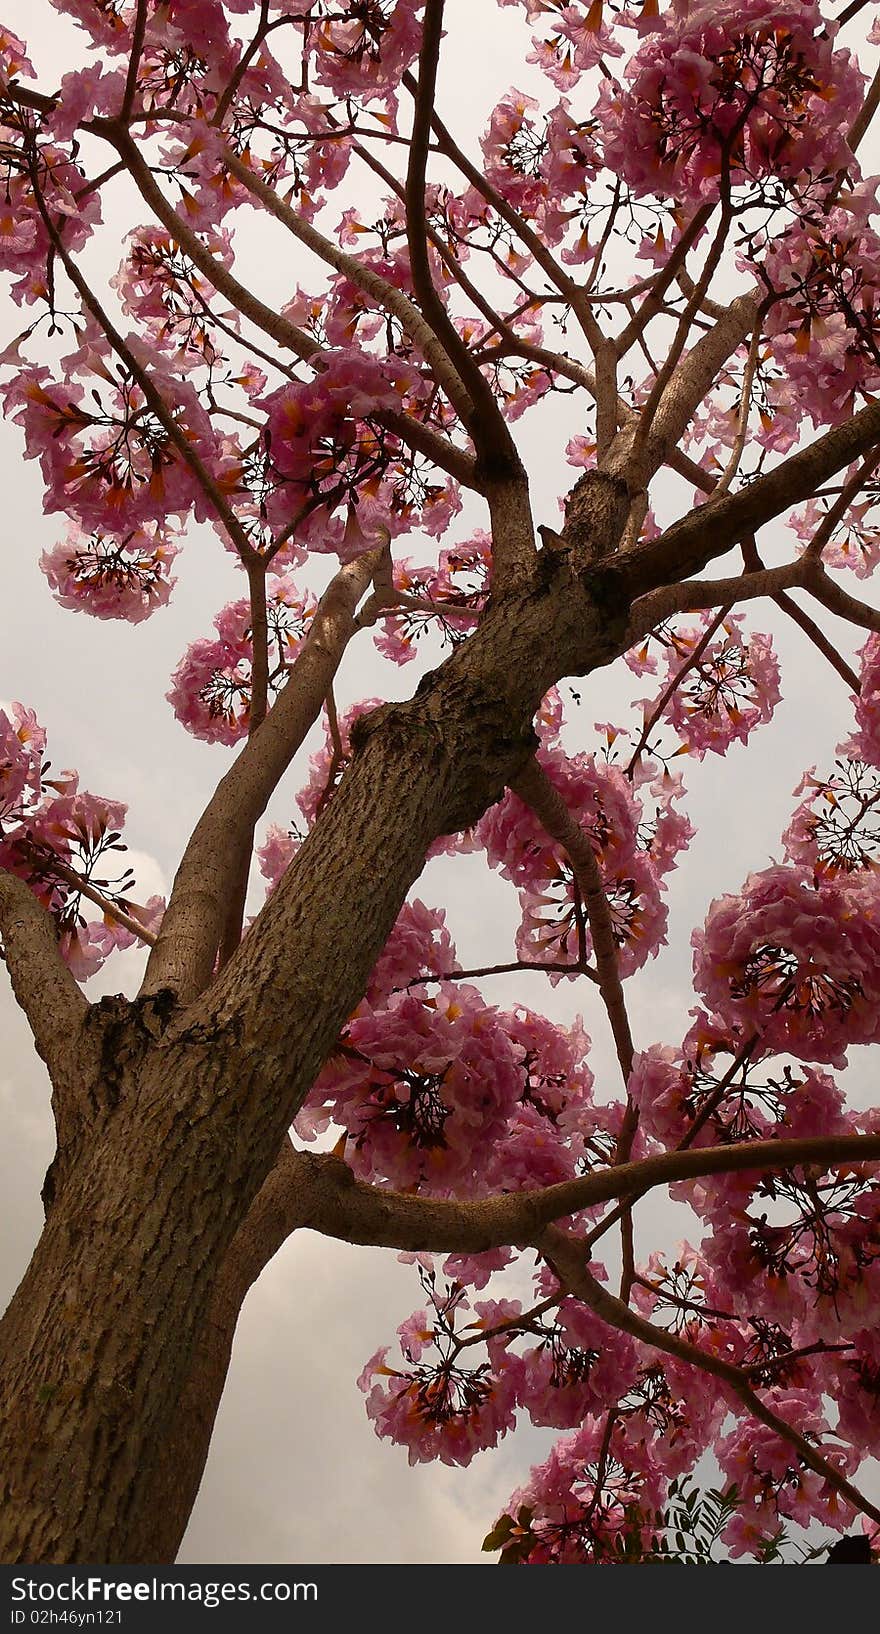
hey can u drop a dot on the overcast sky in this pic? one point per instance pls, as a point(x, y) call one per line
point(296, 1474)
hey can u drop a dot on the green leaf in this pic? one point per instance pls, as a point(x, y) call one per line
point(499, 1535)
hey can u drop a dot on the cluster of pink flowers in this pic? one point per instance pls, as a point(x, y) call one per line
point(110, 463)
point(211, 687)
point(337, 466)
point(579, 38)
point(24, 239)
point(187, 50)
point(22, 746)
point(797, 1250)
point(438, 1406)
point(167, 295)
point(790, 1262)
point(632, 863)
point(755, 87)
point(435, 1088)
point(821, 327)
point(542, 164)
point(352, 385)
point(728, 687)
point(127, 577)
point(424, 1088)
point(594, 1488)
point(48, 829)
point(650, 1421)
point(362, 50)
point(771, 1480)
point(795, 961)
point(835, 829)
point(725, 1084)
point(855, 541)
point(446, 599)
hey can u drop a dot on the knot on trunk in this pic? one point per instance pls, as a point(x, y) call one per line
point(125, 1029)
point(596, 512)
point(117, 1034)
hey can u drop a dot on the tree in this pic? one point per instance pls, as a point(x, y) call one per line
point(727, 379)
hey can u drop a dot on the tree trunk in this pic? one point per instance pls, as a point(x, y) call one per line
point(104, 1332)
point(96, 1345)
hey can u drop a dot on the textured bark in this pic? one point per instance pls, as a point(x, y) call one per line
point(319, 1192)
point(44, 988)
point(168, 1193)
point(194, 1099)
point(99, 1340)
point(281, 1205)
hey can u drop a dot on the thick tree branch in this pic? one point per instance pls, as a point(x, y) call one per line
point(693, 378)
point(647, 418)
point(319, 1192)
point(840, 602)
point(707, 533)
point(43, 986)
point(696, 595)
point(184, 954)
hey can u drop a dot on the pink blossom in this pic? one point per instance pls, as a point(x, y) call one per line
point(820, 328)
point(419, 944)
point(276, 853)
point(868, 701)
point(771, 1478)
point(436, 1405)
point(424, 1088)
point(22, 746)
point(759, 76)
point(854, 542)
point(833, 829)
point(84, 93)
point(726, 690)
point(575, 1503)
point(794, 962)
point(14, 60)
point(111, 465)
point(211, 687)
point(354, 59)
point(126, 578)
